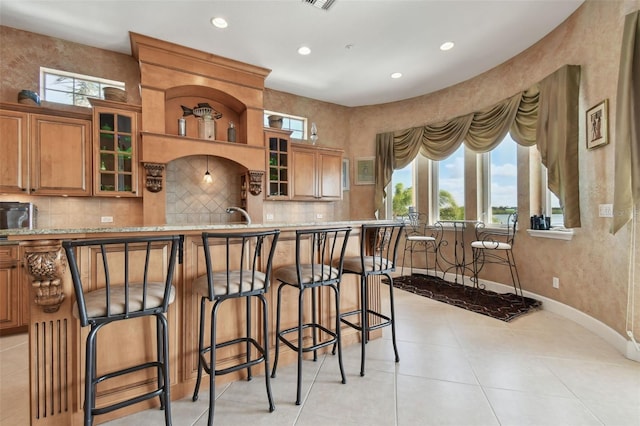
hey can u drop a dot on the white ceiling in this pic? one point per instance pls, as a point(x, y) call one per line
point(385, 36)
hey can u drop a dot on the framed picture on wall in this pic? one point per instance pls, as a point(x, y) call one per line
point(365, 168)
point(345, 174)
point(598, 125)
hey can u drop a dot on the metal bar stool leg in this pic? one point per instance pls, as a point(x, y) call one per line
point(265, 339)
point(200, 349)
point(393, 317)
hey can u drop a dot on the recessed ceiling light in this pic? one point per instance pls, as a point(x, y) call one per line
point(447, 45)
point(219, 22)
point(396, 75)
point(304, 50)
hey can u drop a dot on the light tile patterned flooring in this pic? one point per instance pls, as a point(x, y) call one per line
point(456, 368)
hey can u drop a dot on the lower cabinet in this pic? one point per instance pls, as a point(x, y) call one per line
point(317, 173)
point(14, 299)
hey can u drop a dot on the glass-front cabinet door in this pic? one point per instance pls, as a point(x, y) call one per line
point(277, 143)
point(115, 148)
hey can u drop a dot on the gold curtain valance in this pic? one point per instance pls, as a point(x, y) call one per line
point(547, 111)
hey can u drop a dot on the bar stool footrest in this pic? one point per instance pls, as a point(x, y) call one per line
point(118, 405)
point(331, 341)
point(242, 366)
point(387, 321)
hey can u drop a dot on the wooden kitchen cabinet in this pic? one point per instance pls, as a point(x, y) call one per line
point(48, 154)
point(115, 148)
point(14, 300)
point(14, 145)
point(316, 173)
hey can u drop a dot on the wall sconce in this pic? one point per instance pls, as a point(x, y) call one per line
point(314, 133)
point(207, 176)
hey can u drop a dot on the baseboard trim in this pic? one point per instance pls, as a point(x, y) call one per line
point(620, 343)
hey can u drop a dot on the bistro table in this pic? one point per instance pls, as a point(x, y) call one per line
point(458, 262)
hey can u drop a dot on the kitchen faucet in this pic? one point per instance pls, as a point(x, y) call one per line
point(243, 212)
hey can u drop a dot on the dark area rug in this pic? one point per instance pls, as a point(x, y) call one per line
point(505, 306)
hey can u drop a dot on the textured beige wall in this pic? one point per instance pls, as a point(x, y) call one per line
point(593, 267)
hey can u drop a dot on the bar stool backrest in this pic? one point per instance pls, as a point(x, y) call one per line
point(124, 283)
point(239, 259)
point(502, 234)
point(414, 223)
point(379, 247)
point(327, 248)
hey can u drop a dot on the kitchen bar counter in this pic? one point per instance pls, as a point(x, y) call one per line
point(57, 340)
point(40, 233)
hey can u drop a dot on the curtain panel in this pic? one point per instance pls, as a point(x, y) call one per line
point(626, 193)
point(556, 96)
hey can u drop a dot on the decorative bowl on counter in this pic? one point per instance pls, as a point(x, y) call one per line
point(28, 97)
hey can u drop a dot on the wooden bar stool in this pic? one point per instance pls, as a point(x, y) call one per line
point(378, 254)
point(316, 251)
point(126, 284)
point(232, 273)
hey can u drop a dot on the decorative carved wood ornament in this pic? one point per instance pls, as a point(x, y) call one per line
point(255, 181)
point(154, 176)
point(45, 262)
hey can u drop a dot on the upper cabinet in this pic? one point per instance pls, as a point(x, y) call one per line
point(278, 158)
point(48, 154)
point(115, 149)
point(316, 173)
point(14, 145)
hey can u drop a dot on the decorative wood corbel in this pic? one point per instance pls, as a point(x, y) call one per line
point(255, 181)
point(154, 176)
point(45, 263)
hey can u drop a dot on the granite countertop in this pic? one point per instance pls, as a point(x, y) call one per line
point(9, 235)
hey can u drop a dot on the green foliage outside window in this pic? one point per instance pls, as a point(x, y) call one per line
point(403, 198)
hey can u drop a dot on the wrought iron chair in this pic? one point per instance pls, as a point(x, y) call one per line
point(319, 257)
point(495, 246)
point(129, 288)
point(378, 254)
point(231, 274)
point(421, 237)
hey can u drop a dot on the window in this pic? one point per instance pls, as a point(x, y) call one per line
point(551, 203)
point(448, 187)
point(499, 182)
point(72, 89)
point(297, 125)
point(401, 191)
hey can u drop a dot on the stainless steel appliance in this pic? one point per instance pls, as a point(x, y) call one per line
point(17, 215)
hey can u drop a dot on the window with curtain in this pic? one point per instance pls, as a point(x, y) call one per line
point(448, 185)
point(499, 182)
point(551, 203)
point(402, 192)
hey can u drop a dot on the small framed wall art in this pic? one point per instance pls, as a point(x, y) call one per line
point(365, 168)
point(598, 125)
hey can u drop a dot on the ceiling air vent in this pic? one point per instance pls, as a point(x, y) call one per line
point(320, 4)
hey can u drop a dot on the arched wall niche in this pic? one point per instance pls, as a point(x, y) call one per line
point(190, 96)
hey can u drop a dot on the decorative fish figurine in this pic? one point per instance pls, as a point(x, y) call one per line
point(201, 110)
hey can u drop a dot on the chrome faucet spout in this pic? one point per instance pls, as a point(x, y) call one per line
point(243, 212)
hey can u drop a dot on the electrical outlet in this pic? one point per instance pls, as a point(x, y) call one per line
point(605, 210)
point(556, 282)
point(319, 215)
point(269, 216)
point(106, 219)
